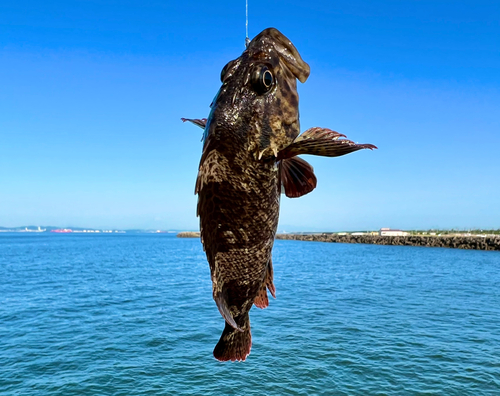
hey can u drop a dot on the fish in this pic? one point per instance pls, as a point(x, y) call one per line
point(251, 144)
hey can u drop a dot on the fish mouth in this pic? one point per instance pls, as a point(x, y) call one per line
point(285, 49)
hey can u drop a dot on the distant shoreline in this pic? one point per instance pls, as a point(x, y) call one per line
point(454, 242)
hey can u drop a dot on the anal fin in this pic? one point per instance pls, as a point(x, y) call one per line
point(323, 142)
point(297, 177)
point(270, 278)
point(261, 300)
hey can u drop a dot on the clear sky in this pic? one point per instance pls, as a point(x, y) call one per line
point(92, 92)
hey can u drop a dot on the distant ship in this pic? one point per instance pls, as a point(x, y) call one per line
point(62, 230)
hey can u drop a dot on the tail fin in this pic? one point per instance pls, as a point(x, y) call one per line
point(233, 344)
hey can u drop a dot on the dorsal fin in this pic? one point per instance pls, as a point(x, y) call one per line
point(201, 122)
point(221, 302)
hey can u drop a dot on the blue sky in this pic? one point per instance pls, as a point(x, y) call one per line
point(91, 95)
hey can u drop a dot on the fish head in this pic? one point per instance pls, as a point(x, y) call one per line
point(257, 105)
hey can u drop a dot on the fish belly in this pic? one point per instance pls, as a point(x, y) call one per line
point(238, 219)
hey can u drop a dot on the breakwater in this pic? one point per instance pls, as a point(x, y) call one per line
point(452, 241)
point(457, 242)
point(188, 234)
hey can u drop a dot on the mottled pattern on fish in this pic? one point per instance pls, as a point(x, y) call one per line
point(249, 155)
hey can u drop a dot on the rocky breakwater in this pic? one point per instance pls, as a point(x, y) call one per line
point(188, 234)
point(458, 242)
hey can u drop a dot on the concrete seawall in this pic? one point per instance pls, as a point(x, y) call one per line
point(458, 242)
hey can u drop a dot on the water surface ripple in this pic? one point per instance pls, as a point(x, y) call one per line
point(133, 315)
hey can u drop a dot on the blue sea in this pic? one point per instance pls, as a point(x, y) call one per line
point(131, 314)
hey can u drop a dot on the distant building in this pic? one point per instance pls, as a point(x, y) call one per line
point(392, 232)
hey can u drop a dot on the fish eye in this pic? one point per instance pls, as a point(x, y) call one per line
point(262, 80)
point(267, 78)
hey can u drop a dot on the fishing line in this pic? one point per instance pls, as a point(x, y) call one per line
point(247, 40)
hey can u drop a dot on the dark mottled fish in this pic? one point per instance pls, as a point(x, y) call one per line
point(251, 143)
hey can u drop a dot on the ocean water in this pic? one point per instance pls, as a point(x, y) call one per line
point(133, 315)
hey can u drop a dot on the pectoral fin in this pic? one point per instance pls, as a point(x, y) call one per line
point(323, 142)
point(201, 122)
point(297, 177)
